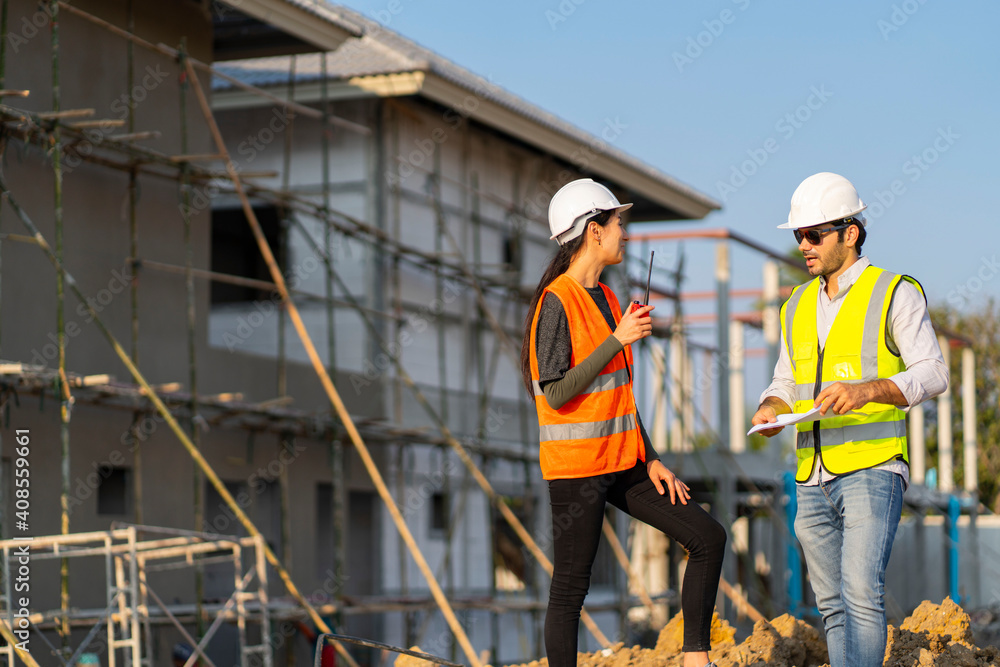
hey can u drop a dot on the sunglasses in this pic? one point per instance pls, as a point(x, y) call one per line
point(815, 236)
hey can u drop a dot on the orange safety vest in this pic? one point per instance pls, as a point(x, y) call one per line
point(596, 432)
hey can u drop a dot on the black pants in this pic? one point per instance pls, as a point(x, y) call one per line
point(577, 518)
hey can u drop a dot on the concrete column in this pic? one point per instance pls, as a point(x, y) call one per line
point(688, 399)
point(722, 273)
point(970, 452)
point(918, 449)
point(737, 388)
point(772, 313)
point(659, 434)
point(676, 389)
point(946, 475)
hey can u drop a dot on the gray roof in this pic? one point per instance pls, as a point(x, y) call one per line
point(328, 13)
point(382, 51)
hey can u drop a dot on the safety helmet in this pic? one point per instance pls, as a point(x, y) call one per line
point(824, 197)
point(574, 204)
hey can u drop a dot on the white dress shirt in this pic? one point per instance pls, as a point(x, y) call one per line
point(910, 334)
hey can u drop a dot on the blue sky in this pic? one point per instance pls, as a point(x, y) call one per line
point(885, 93)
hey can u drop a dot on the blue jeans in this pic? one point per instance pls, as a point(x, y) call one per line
point(846, 527)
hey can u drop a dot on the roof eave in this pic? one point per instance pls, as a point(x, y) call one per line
point(325, 35)
point(686, 205)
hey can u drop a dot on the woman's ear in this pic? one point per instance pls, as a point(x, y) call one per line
point(595, 230)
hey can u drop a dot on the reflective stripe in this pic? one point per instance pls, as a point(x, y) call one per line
point(804, 390)
point(866, 432)
point(603, 382)
point(873, 322)
point(790, 306)
point(587, 430)
point(608, 381)
point(805, 440)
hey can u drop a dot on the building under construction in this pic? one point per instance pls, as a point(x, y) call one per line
point(264, 272)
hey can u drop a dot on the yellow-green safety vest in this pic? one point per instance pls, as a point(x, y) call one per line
point(856, 351)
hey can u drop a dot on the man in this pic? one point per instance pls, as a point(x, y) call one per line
point(858, 344)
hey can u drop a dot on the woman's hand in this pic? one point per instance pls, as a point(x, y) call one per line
point(661, 477)
point(634, 325)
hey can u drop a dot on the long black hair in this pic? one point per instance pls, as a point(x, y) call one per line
point(560, 262)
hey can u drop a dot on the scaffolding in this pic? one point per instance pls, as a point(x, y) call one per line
point(130, 555)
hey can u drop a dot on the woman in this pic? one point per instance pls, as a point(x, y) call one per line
point(576, 362)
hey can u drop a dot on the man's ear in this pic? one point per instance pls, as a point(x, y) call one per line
point(851, 236)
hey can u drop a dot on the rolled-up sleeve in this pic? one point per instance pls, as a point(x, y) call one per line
point(783, 384)
point(911, 332)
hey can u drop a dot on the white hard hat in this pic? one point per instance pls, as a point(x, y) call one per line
point(824, 197)
point(574, 204)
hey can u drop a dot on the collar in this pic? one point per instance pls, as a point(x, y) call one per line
point(848, 278)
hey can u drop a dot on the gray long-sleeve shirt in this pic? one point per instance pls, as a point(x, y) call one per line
point(910, 333)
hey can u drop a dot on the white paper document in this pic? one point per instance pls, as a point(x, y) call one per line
point(790, 418)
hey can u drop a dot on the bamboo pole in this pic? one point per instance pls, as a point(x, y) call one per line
point(133, 233)
point(8, 635)
point(327, 383)
point(3, 78)
point(64, 397)
point(622, 557)
point(197, 481)
point(740, 601)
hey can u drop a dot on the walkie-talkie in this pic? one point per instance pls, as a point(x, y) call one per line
point(645, 301)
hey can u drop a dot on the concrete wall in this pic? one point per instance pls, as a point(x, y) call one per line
point(918, 568)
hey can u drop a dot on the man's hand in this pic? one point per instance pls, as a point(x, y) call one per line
point(661, 477)
point(842, 398)
point(768, 413)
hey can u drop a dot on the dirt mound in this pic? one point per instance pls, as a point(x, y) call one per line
point(938, 635)
point(935, 635)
